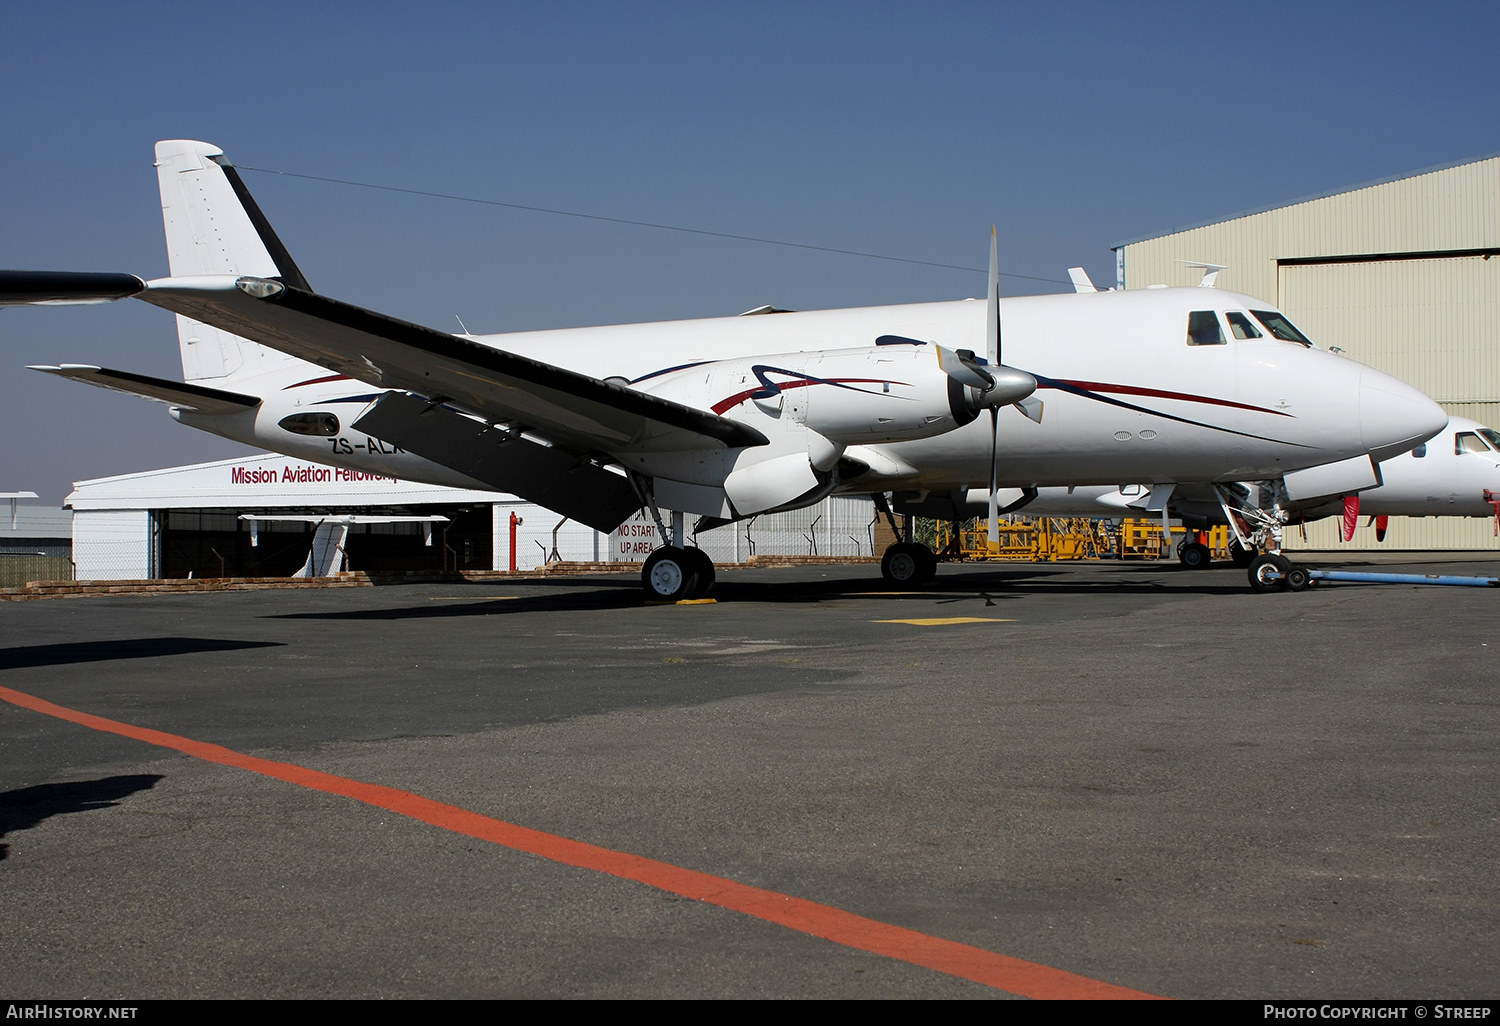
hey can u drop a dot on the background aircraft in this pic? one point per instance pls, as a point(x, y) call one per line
point(1454, 473)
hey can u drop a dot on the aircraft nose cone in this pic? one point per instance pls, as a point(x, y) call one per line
point(1394, 417)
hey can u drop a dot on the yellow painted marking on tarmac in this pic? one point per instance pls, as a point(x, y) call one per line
point(945, 621)
point(471, 598)
point(683, 602)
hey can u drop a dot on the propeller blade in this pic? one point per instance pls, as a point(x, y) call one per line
point(1031, 409)
point(959, 364)
point(1351, 517)
point(992, 319)
point(994, 536)
point(1380, 525)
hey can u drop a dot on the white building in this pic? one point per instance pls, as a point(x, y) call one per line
point(188, 520)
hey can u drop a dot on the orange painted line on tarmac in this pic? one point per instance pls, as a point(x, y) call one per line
point(1015, 975)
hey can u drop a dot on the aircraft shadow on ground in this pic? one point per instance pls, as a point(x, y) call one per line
point(990, 584)
point(131, 648)
point(25, 807)
point(586, 595)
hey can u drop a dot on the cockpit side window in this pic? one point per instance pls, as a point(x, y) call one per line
point(1491, 436)
point(1240, 325)
point(1204, 330)
point(1281, 328)
point(1468, 441)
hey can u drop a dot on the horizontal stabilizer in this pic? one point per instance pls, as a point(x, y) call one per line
point(550, 477)
point(173, 393)
point(65, 288)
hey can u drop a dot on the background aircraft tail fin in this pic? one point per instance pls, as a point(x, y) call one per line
point(214, 226)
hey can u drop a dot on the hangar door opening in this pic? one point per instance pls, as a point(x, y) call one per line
point(1431, 321)
point(216, 542)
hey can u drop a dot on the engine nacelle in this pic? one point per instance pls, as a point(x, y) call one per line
point(786, 481)
point(868, 395)
point(811, 406)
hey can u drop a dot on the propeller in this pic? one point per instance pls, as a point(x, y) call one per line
point(1012, 387)
point(994, 385)
point(992, 351)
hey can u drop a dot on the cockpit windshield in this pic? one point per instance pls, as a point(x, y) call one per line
point(1468, 441)
point(1240, 325)
point(1491, 436)
point(1281, 328)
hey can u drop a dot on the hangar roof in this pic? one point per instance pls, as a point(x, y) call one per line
point(1305, 199)
point(35, 522)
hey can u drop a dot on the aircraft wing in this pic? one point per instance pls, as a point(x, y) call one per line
point(65, 288)
point(568, 408)
point(174, 393)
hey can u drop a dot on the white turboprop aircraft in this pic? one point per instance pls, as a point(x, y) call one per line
point(1456, 473)
point(733, 417)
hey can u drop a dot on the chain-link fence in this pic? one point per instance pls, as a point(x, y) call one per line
point(17, 569)
point(837, 526)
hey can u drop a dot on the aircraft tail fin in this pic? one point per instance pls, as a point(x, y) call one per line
point(214, 226)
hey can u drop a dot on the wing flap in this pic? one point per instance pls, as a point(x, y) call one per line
point(573, 409)
point(173, 393)
point(548, 476)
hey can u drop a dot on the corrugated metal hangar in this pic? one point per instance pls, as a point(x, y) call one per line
point(1396, 274)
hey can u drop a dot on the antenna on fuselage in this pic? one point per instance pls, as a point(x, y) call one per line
point(1210, 272)
point(1081, 280)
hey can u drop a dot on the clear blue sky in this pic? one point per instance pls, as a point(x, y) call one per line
point(892, 128)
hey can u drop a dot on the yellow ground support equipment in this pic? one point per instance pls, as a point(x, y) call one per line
point(1050, 539)
point(1039, 539)
point(1141, 539)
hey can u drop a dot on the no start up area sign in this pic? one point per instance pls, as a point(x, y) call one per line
point(635, 539)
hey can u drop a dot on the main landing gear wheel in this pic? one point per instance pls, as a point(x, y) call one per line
point(705, 570)
point(1270, 571)
point(1241, 555)
point(1194, 556)
point(906, 563)
point(670, 574)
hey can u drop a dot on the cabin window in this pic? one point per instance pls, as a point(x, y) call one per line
point(1468, 441)
point(323, 425)
point(1420, 451)
point(1281, 328)
point(1204, 330)
point(1240, 325)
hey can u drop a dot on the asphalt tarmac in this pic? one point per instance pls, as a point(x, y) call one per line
point(1127, 772)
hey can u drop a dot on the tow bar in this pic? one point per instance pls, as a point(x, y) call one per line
point(1274, 572)
point(1347, 575)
